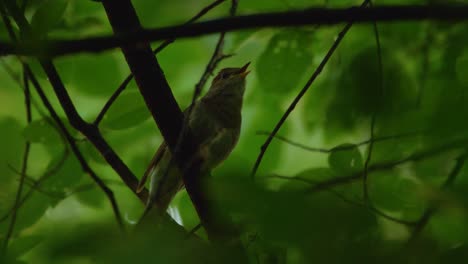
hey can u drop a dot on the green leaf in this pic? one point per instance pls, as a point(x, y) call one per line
point(33, 209)
point(67, 175)
point(285, 60)
point(461, 68)
point(41, 131)
point(361, 91)
point(95, 75)
point(12, 144)
point(128, 111)
point(345, 158)
point(48, 15)
point(391, 190)
point(23, 245)
point(261, 117)
point(90, 194)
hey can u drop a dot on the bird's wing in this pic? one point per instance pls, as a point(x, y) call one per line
point(153, 163)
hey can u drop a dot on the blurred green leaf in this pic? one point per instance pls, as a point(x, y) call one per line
point(89, 194)
point(12, 144)
point(262, 118)
point(284, 62)
point(41, 131)
point(392, 191)
point(66, 176)
point(461, 68)
point(33, 209)
point(361, 90)
point(128, 111)
point(95, 75)
point(48, 15)
point(22, 245)
point(345, 159)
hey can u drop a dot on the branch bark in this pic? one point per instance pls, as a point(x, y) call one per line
point(166, 113)
point(311, 16)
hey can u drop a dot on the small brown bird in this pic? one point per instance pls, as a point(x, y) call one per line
point(215, 123)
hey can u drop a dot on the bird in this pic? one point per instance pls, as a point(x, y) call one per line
point(215, 124)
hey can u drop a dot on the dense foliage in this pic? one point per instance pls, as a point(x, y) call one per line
point(369, 167)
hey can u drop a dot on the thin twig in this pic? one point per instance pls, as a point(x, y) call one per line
point(310, 16)
point(340, 147)
point(66, 102)
point(296, 100)
point(421, 155)
point(37, 183)
point(426, 48)
point(380, 77)
point(77, 152)
point(347, 200)
point(27, 147)
point(429, 212)
point(127, 80)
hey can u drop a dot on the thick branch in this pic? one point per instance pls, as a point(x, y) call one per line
point(311, 16)
point(90, 131)
point(160, 101)
point(166, 43)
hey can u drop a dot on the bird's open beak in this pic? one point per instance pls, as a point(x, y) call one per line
point(243, 71)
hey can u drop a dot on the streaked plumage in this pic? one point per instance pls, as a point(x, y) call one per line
point(215, 124)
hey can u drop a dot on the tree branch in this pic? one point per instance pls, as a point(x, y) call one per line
point(347, 200)
point(160, 101)
point(341, 147)
point(337, 181)
point(27, 147)
point(301, 93)
point(66, 103)
point(127, 80)
point(90, 131)
point(429, 212)
point(311, 16)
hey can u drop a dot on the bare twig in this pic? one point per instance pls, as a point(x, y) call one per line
point(90, 131)
point(66, 103)
point(347, 200)
point(380, 77)
point(127, 80)
point(426, 48)
point(420, 155)
point(429, 212)
point(296, 100)
point(27, 103)
point(341, 147)
point(311, 16)
point(37, 183)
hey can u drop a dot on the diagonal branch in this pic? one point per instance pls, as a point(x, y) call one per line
point(90, 131)
point(166, 113)
point(296, 100)
point(311, 16)
point(66, 104)
point(166, 43)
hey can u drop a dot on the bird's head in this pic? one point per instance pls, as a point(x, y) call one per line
point(231, 78)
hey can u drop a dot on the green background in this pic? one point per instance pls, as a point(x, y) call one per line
point(418, 100)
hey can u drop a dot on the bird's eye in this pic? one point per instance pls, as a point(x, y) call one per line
point(223, 75)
